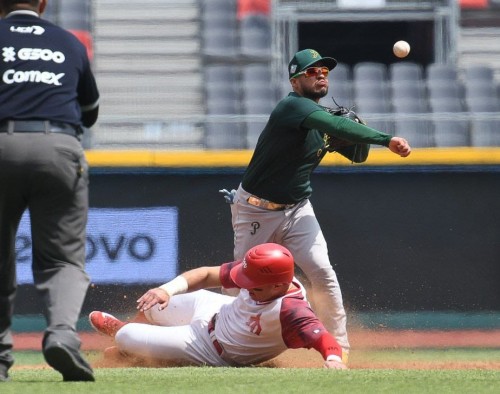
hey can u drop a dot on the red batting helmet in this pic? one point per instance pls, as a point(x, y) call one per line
point(264, 264)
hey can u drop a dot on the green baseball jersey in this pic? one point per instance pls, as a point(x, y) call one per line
point(294, 142)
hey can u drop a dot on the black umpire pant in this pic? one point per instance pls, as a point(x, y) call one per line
point(46, 173)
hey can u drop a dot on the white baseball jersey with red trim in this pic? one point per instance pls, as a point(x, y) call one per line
point(249, 331)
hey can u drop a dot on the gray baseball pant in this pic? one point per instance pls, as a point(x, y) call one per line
point(298, 230)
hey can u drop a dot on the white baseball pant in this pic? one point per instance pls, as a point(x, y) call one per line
point(178, 333)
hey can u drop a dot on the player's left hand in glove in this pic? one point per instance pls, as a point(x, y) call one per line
point(346, 113)
point(334, 143)
point(228, 195)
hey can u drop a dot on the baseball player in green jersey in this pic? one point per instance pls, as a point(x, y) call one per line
point(272, 202)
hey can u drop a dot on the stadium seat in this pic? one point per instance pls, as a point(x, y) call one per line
point(222, 106)
point(255, 37)
point(256, 72)
point(253, 130)
point(370, 71)
point(439, 71)
point(341, 92)
point(446, 104)
point(220, 43)
point(225, 135)
point(368, 109)
point(259, 92)
point(408, 89)
point(445, 89)
point(448, 130)
point(480, 89)
point(258, 106)
point(405, 71)
point(486, 121)
point(341, 73)
point(412, 122)
point(219, 6)
point(74, 14)
point(222, 92)
point(478, 73)
point(370, 89)
point(217, 73)
point(216, 20)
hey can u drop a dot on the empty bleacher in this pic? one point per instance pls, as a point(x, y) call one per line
point(147, 65)
point(155, 62)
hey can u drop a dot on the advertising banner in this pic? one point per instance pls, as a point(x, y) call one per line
point(126, 245)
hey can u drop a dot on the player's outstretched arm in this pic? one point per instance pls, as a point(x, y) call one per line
point(399, 146)
point(196, 279)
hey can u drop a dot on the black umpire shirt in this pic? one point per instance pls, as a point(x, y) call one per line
point(45, 72)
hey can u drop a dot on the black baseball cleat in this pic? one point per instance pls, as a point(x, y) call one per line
point(69, 363)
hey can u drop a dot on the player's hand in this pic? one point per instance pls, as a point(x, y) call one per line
point(153, 297)
point(332, 364)
point(399, 146)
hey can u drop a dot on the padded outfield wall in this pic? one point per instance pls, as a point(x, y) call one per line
point(413, 236)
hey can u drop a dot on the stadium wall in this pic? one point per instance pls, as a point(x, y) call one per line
point(406, 236)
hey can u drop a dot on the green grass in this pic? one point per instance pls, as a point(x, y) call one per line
point(429, 355)
point(270, 380)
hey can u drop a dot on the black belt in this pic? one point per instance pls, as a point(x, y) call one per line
point(211, 329)
point(37, 126)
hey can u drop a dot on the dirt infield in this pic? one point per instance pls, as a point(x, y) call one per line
point(361, 341)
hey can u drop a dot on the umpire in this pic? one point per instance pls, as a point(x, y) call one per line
point(47, 92)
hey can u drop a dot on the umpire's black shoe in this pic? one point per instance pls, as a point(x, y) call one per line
point(4, 376)
point(68, 362)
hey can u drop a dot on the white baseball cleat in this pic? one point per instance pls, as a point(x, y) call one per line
point(105, 323)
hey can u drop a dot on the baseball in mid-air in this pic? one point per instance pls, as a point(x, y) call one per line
point(401, 49)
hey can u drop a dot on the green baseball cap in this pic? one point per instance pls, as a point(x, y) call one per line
point(306, 58)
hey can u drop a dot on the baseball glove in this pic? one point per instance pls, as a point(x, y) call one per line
point(333, 143)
